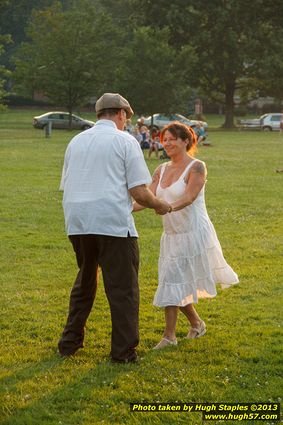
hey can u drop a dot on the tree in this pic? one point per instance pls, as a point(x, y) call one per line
point(4, 73)
point(153, 79)
point(152, 71)
point(65, 59)
point(58, 61)
point(268, 80)
point(14, 15)
point(232, 40)
point(228, 38)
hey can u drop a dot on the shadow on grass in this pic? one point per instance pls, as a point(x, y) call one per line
point(70, 397)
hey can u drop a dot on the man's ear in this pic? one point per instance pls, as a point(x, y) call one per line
point(120, 113)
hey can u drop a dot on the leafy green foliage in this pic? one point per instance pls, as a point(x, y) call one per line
point(234, 43)
point(269, 80)
point(159, 54)
point(4, 72)
point(152, 80)
point(66, 57)
point(58, 62)
point(14, 15)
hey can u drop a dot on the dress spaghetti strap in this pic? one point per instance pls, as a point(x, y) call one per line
point(163, 166)
point(187, 169)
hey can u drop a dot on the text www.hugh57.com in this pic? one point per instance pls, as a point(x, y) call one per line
point(239, 416)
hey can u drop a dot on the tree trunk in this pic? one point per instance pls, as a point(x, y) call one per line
point(229, 104)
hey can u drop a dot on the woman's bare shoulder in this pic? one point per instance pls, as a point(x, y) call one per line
point(156, 173)
point(199, 167)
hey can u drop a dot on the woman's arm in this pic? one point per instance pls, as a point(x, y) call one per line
point(152, 187)
point(196, 181)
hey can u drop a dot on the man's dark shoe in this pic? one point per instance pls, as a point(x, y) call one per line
point(69, 349)
point(131, 359)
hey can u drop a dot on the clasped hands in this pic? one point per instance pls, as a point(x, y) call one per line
point(163, 207)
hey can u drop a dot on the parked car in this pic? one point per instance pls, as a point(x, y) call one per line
point(269, 122)
point(250, 124)
point(61, 120)
point(266, 122)
point(160, 120)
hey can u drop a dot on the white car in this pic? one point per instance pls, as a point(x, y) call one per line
point(269, 122)
point(160, 120)
point(61, 120)
point(250, 124)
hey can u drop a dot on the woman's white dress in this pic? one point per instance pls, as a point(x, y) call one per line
point(191, 261)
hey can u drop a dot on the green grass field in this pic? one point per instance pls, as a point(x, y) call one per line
point(237, 361)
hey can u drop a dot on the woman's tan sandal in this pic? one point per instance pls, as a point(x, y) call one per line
point(164, 343)
point(197, 332)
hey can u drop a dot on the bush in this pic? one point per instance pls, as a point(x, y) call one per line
point(15, 100)
point(271, 107)
point(213, 108)
point(199, 117)
point(240, 111)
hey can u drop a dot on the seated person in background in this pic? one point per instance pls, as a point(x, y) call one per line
point(129, 126)
point(154, 142)
point(137, 135)
point(200, 133)
point(140, 122)
point(145, 137)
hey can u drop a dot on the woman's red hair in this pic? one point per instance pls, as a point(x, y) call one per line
point(182, 131)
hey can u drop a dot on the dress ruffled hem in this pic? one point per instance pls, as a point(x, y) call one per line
point(184, 280)
point(172, 299)
point(181, 294)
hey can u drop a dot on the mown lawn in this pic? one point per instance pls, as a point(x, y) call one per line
point(237, 361)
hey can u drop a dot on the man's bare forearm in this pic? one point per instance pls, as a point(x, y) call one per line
point(143, 196)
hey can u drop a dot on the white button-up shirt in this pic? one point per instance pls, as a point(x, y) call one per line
point(101, 165)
